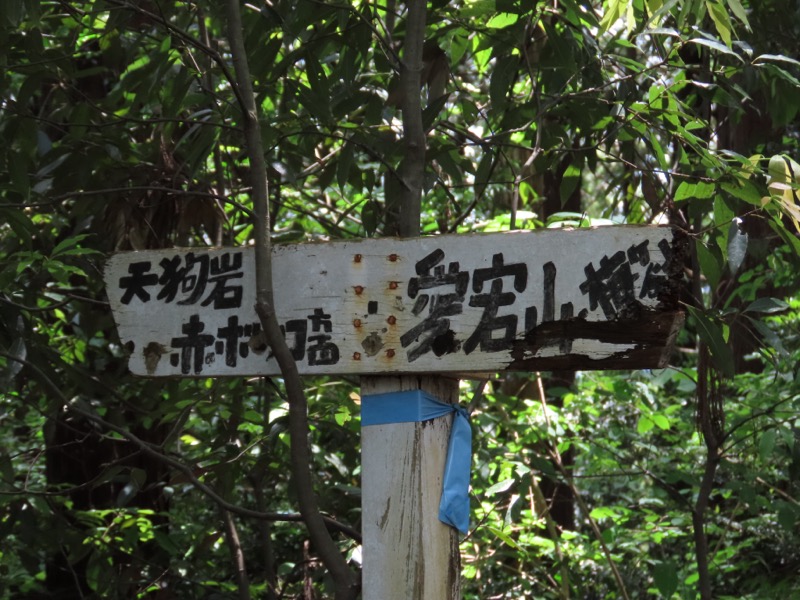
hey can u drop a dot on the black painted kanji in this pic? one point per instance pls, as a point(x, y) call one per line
point(298, 328)
point(191, 275)
point(192, 346)
point(639, 253)
point(232, 340)
point(435, 327)
point(320, 321)
point(224, 270)
point(611, 287)
point(484, 334)
point(321, 351)
point(655, 278)
point(173, 274)
point(136, 283)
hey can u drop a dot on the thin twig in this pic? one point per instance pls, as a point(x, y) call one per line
point(155, 188)
point(538, 499)
point(237, 555)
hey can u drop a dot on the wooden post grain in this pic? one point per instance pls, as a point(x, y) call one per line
point(408, 554)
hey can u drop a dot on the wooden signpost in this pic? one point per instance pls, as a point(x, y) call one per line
point(528, 300)
point(603, 298)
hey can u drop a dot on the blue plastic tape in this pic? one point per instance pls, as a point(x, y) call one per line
point(415, 406)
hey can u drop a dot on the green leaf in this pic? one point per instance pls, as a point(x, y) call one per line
point(500, 486)
point(630, 18)
point(697, 191)
point(20, 223)
point(569, 182)
point(505, 70)
point(665, 576)
point(447, 160)
point(683, 192)
point(604, 512)
point(14, 11)
point(344, 164)
point(432, 111)
point(18, 170)
point(127, 493)
point(711, 333)
point(574, 219)
point(788, 515)
point(775, 58)
point(67, 244)
point(767, 306)
point(766, 444)
point(507, 539)
point(502, 20)
point(612, 15)
point(715, 45)
point(661, 421)
point(743, 190)
point(769, 336)
point(738, 10)
point(737, 246)
point(704, 189)
point(6, 469)
point(668, 31)
point(721, 19)
point(484, 172)
point(18, 351)
point(710, 266)
point(342, 416)
point(544, 466)
point(722, 212)
point(370, 215)
point(644, 424)
point(778, 226)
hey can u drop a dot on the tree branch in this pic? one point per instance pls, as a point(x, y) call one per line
point(237, 555)
point(412, 169)
point(344, 579)
point(711, 432)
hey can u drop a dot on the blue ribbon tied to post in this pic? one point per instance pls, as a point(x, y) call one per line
point(415, 406)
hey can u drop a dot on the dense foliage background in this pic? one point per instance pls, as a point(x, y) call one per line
point(121, 129)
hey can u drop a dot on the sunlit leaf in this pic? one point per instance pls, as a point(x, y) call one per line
point(776, 58)
point(613, 13)
point(502, 20)
point(644, 424)
point(737, 245)
point(767, 306)
point(661, 421)
point(721, 19)
point(500, 486)
point(715, 45)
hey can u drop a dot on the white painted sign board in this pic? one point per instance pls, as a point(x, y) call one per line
point(522, 300)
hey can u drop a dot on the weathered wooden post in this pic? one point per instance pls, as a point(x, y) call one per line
point(603, 298)
point(407, 552)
